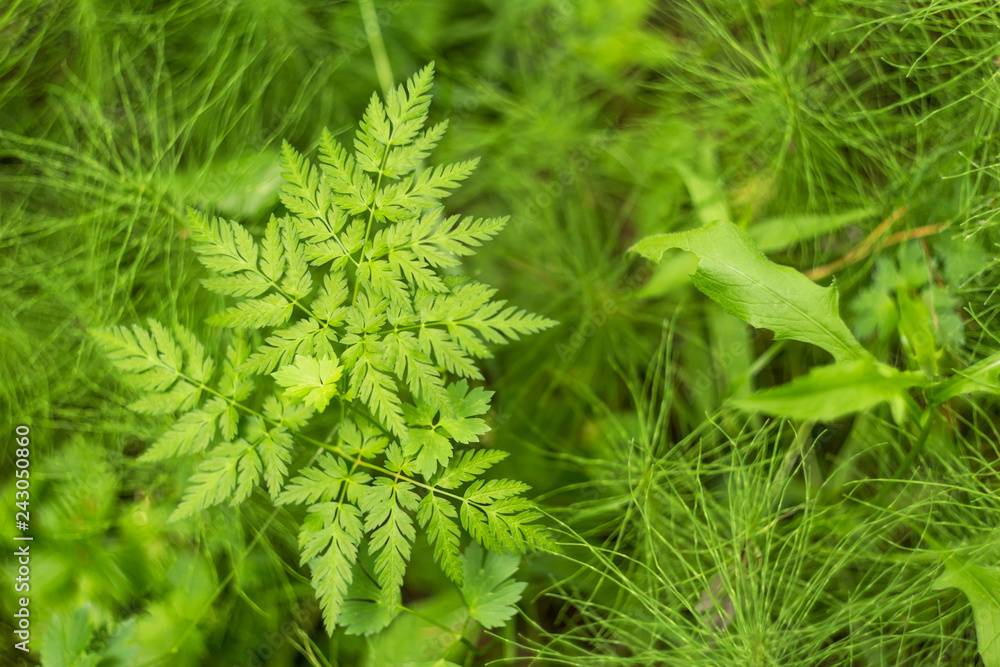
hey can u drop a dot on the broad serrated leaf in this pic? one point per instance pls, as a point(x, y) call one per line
point(734, 273)
point(67, 639)
point(784, 232)
point(487, 588)
point(366, 610)
point(981, 585)
point(916, 332)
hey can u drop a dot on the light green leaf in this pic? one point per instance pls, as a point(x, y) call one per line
point(362, 438)
point(733, 272)
point(468, 465)
point(190, 434)
point(981, 586)
point(460, 418)
point(497, 517)
point(322, 482)
point(229, 473)
point(378, 390)
point(303, 337)
point(486, 586)
point(311, 380)
point(66, 641)
point(916, 331)
point(983, 375)
point(238, 284)
point(830, 392)
point(428, 449)
point(269, 311)
point(784, 232)
point(389, 330)
point(407, 107)
point(224, 246)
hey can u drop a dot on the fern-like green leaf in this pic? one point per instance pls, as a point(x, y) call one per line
point(352, 295)
point(386, 504)
point(437, 516)
point(269, 311)
point(329, 543)
point(229, 473)
point(323, 482)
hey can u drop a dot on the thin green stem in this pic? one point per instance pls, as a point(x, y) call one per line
point(930, 420)
point(379, 55)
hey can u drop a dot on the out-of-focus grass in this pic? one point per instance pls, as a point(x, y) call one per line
point(598, 123)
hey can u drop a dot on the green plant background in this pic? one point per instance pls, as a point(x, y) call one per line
point(691, 534)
